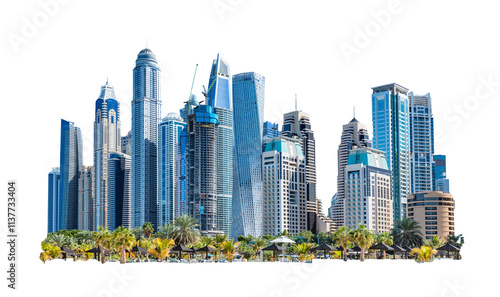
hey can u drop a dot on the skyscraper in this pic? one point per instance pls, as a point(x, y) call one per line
point(368, 190)
point(54, 182)
point(297, 124)
point(107, 139)
point(219, 96)
point(71, 163)
point(421, 142)
point(391, 134)
point(284, 182)
point(127, 143)
point(119, 190)
point(248, 104)
point(440, 181)
point(354, 135)
point(85, 199)
point(146, 115)
point(202, 167)
point(270, 131)
point(169, 168)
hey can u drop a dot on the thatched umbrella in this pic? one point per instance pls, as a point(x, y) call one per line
point(381, 247)
point(206, 249)
point(181, 248)
point(397, 249)
point(407, 250)
point(274, 248)
point(449, 248)
point(323, 247)
point(341, 250)
point(67, 252)
point(97, 252)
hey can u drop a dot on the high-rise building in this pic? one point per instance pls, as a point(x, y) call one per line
point(297, 124)
point(146, 115)
point(127, 144)
point(85, 199)
point(435, 211)
point(202, 167)
point(107, 139)
point(189, 107)
point(421, 142)
point(440, 181)
point(248, 104)
point(269, 131)
point(368, 191)
point(354, 135)
point(219, 96)
point(284, 183)
point(71, 163)
point(119, 191)
point(54, 182)
point(391, 134)
point(169, 167)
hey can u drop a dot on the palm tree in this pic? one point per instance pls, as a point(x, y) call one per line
point(186, 232)
point(386, 239)
point(148, 245)
point(434, 242)
point(166, 231)
point(102, 239)
point(219, 241)
point(163, 247)
point(303, 250)
point(424, 254)
point(206, 240)
point(364, 239)
point(147, 228)
point(406, 232)
point(50, 252)
point(258, 244)
point(85, 237)
point(124, 239)
point(229, 247)
point(59, 240)
point(137, 231)
point(455, 240)
point(344, 236)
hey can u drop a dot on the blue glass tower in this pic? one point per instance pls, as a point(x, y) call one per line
point(71, 163)
point(270, 131)
point(107, 139)
point(119, 200)
point(440, 181)
point(421, 142)
point(219, 97)
point(391, 134)
point(169, 168)
point(146, 115)
point(54, 181)
point(248, 104)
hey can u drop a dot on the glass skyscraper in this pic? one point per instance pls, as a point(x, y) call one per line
point(421, 142)
point(54, 182)
point(440, 180)
point(169, 168)
point(219, 96)
point(391, 134)
point(119, 190)
point(248, 104)
point(146, 115)
point(202, 167)
point(71, 163)
point(107, 139)
point(85, 199)
point(270, 131)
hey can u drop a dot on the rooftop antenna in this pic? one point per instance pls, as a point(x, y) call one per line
point(295, 101)
point(146, 43)
point(354, 111)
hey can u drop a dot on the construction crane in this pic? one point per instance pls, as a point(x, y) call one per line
point(191, 91)
point(205, 92)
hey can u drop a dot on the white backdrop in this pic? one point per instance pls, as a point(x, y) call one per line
point(55, 55)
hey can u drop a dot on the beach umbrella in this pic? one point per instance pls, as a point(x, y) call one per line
point(397, 249)
point(206, 249)
point(449, 248)
point(182, 248)
point(341, 249)
point(323, 247)
point(274, 248)
point(67, 252)
point(381, 247)
point(407, 249)
point(282, 239)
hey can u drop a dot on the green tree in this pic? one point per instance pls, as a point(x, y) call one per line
point(148, 245)
point(229, 248)
point(147, 229)
point(344, 237)
point(364, 239)
point(102, 239)
point(434, 242)
point(124, 239)
point(424, 254)
point(163, 247)
point(137, 231)
point(166, 231)
point(303, 250)
point(455, 240)
point(406, 232)
point(386, 239)
point(258, 244)
point(186, 232)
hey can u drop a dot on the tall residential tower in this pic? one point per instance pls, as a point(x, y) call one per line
point(248, 104)
point(146, 115)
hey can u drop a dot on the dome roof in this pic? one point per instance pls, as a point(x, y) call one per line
point(146, 57)
point(193, 100)
point(173, 116)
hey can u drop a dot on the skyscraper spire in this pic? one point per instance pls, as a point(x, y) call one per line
point(295, 101)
